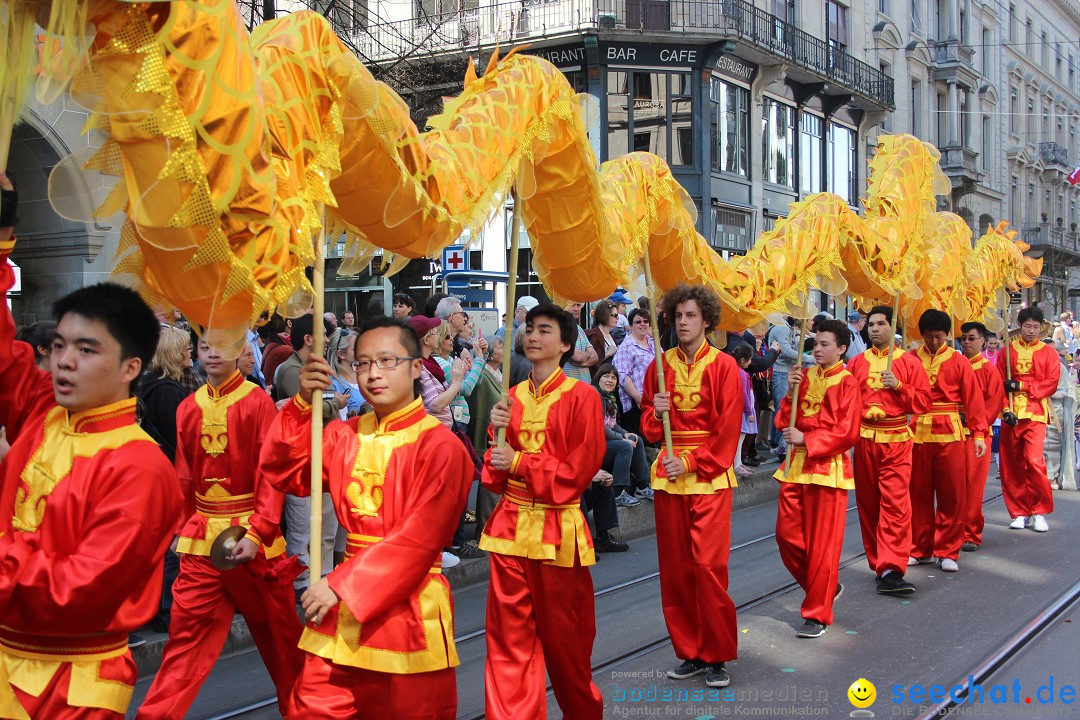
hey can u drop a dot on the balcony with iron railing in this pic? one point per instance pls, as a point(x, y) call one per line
point(1051, 153)
point(1045, 236)
point(509, 23)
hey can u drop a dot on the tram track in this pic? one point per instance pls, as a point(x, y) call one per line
point(646, 647)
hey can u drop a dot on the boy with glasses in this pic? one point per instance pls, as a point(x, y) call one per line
point(379, 641)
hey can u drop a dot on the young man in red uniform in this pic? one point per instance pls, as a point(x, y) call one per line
point(883, 452)
point(540, 599)
point(379, 640)
point(972, 344)
point(812, 505)
point(88, 505)
point(1035, 369)
point(219, 432)
point(939, 460)
point(692, 491)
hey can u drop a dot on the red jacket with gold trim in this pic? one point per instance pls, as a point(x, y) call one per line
point(219, 432)
point(885, 412)
point(557, 430)
point(1036, 366)
point(706, 417)
point(88, 506)
point(953, 390)
point(829, 419)
point(398, 486)
point(991, 387)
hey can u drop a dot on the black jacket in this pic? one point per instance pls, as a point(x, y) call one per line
point(161, 396)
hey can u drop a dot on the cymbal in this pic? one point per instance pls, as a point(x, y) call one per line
point(224, 545)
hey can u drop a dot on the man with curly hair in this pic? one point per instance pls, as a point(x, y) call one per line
point(692, 489)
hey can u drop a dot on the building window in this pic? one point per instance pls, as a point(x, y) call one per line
point(729, 125)
point(1029, 36)
point(836, 25)
point(987, 140)
point(1012, 22)
point(1045, 47)
point(941, 113)
point(651, 112)
point(841, 162)
point(811, 131)
point(1057, 61)
point(916, 16)
point(941, 18)
point(576, 78)
point(733, 230)
point(986, 55)
point(1072, 71)
point(963, 27)
point(883, 7)
point(916, 108)
point(1014, 111)
point(778, 146)
point(965, 117)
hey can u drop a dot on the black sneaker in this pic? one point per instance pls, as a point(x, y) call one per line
point(688, 669)
point(812, 629)
point(135, 641)
point(751, 462)
point(718, 676)
point(467, 551)
point(893, 583)
point(839, 591)
point(969, 546)
point(606, 543)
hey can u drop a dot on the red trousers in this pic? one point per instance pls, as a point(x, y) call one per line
point(693, 537)
point(810, 534)
point(882, 495)
point(1023, 469)
point(204, 602)
point(978, 470)
point(938, 473)
point(52, 703)
point(326, 690)
point(537, 615)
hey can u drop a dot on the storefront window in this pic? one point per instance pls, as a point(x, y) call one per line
point(729, 126)
point(650, 112)
point(810, 151)
point(778, 146)
point(842, 162)
point(732, 230)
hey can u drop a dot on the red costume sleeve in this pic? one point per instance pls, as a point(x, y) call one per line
point(25, 390)
point(561, 480)
point(970, 392)
point(651, 428)
point(1045, 371)
point(390, 571)
point(269, 501)
point(285, 458)
point(914, 391)
point(134, 507)
point(186, 447)
point(836, 426)
point(994, 391)
point(783, 414)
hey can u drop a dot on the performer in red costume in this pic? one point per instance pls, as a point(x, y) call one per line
point(219, 431)
point(1035, 368)
point(88, 504)
point(883, 452)
point(703, 394)
point(811, 508)
point(380, 635)
point(939, 460)
point(540, 599)
point(972, 344)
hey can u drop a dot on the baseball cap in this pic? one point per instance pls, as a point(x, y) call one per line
point(528, 302)
point(854, 316)
point(422, 324)
point(620, 298)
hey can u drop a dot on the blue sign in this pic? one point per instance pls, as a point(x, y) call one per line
point(455, 258)
point(472, 296)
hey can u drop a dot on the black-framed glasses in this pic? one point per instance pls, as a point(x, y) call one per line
point(363, 367)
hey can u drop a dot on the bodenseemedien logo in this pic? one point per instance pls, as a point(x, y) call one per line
point(862, 694)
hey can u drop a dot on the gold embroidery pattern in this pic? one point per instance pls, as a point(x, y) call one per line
point(375, 446)
point(932, 363)
point(534, 414)
point(1025, 358)
point(818, 382)
point(53, 459)
point(214, 433)
point(687, 394)
point(878, 363)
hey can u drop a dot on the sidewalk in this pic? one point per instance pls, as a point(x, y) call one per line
point(634, 523)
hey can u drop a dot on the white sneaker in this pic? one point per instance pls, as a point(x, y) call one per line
point(449, 560)
point(1018, 523)
point(919, 561)
point(1039, 524)
point(949, 565)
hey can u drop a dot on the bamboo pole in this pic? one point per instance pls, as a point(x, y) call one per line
point(508, 326)
point(665, 416)
point(795, 391)
point(1006, 313)
point(892, 332)
point(318, 283)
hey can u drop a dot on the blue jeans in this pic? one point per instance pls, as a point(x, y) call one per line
point(623, 459)
point(779, 390)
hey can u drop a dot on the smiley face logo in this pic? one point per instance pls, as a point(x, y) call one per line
point(862, 693)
